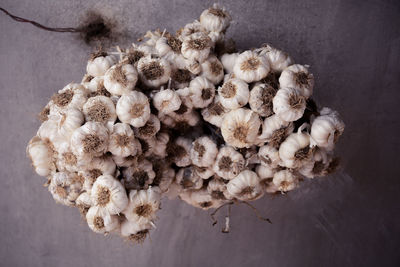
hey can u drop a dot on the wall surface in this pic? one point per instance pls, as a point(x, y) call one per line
point(351, 218)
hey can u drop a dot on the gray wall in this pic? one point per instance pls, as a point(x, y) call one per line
point(348, 219)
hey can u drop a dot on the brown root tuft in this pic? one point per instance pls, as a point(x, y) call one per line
point(228, 90)
point(152, 71)
point(63, 99)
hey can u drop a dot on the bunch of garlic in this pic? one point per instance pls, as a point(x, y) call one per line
point(177, 116)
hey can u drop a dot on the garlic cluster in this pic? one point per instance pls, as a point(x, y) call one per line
point(176, 117)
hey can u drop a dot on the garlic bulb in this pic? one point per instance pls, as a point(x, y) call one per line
point(150, 129)
point(109, 194)
point(269, 156)
point(317, 165)
point(143, 205)
point(295, 149)
point(264, 171)
point(285, 180)
point(240, 127)
point(217, 189)
point(67, 160)
point(120, 79)
point(203, 152)
point(65, 187)
point(277, 59)
point(90, 140)
point(83, 203)
point(154, 71)
point(298, 77)
point(100, 221)
point(234, 94)
point(133, 108)
point(100, 109)
point(196, 47)
point(326, 129)
point(167, 101)
point(289, 104)
point(165, 175)
point(122, 141)
point(215, 112)
point(99, 63)
point(179, 151)
point(228, 61)
point(168, 44)
point(180, 78)
point(212, 69)
point(190, 29)
point(71, 96)
point(162, 139)
point(200, 199)
point(275, 130)
point(138, 176)
point(251, 67)
point(188, 178)
point(204, 172)
point(135, 232)
point(42, 155)
point(202, 92)
point(215, 19)
point(246, 186)
point(260, 100)
point(229, 163)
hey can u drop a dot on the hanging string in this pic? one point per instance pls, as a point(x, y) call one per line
point(36, 24)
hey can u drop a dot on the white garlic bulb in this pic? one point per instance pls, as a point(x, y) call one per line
point(212, 69)
point(228, 61)
point(269, 156)
point(143, 205)
point(99, 63)
point(275, 130)
point(215, 19)
point(42, 156)
point(203, 152)
point(120, 79)
point(234, 94)
point(297, 76)
point(264, 171)
point(65, 187)
point(204, 172)
point(229, 163)
point(188, 178)
point(150, 129)
point(289, 104)
point(101, 221)
point(326, 129)
point(214, 113)
point(154, 71)
point(180, 151)
point(133, 108)
point(135, 232)
point(277, 59)
point(139, 175)
point(189, 29)
point(167, 101)
point(260, 100)
point(246, 186)
point(109, 194)
point(71, 96)
point(295, 149)
point(90, 140)
point(240, 127)
point(122, 141)
point(196, 47)
point(67, 160)
point(201, 92)
point(200, 199)
point(160, 148)
point(217, 189)
point(251, 67)
point(285, 180)
point(100, 109)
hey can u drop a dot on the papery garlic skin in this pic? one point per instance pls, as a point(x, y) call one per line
point(251, 67)
point(90, 140)
point(188, 178)
point(269, 156)
point(277, 59)
point(189, 29)
point(260, 99)
point(66, 159)
point(139, 175)
point(246, 186)
point(229, 163)
point(295, 149)
point(42, 156)
point(275, 130)
point(289, 104)
point(265, 171)
point(215, 19)
point(109, 194)
point(120, 79)
point(200, 199)
point(203, 152)
point(143, 205)
point(73, 95)
point(240, 127)
point(166, 101)
point(212, 69)
point(234, 94)
point(285, 180)
point(133, 108)
point(100, 221)
point(196, 47)
point(154, 71)
point(297, 76)
point(150, 129)
point(181, 152)
point(98, 65)
point(326, 129)
point(65, 187)
point(214, 113)
point(217, 189)
point(202, 92)
point(228, 61)
point(316, 166)
point(134, 231)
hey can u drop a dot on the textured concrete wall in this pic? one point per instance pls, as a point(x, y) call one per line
point(348, 219)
